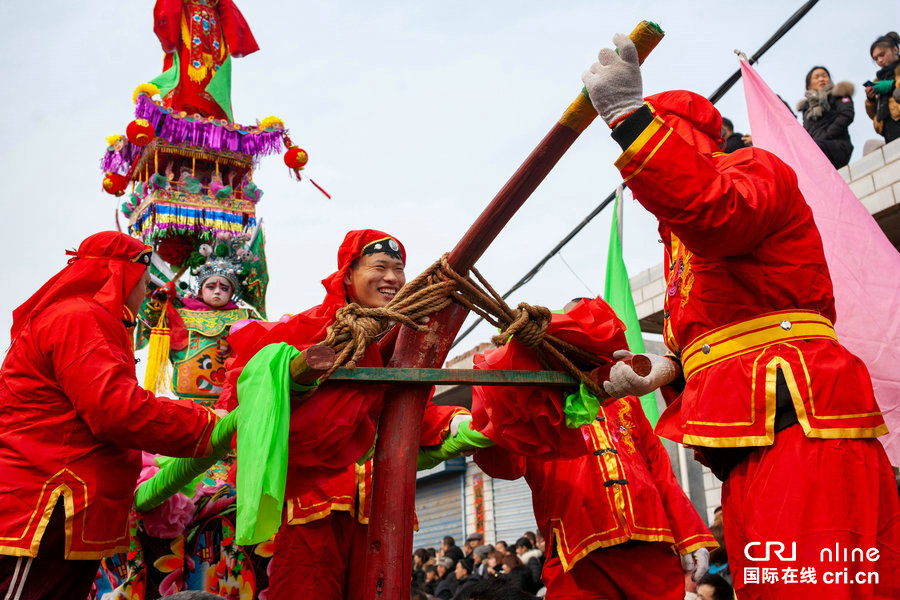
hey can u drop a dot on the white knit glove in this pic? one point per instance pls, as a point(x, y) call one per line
point(623, 381)
point(614, 81)
point(456, 421)
point(696, 563)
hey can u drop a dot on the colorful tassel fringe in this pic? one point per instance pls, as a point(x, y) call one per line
point(158, 379)
point(165, 218)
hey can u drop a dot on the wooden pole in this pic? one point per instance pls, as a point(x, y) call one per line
point(389, 553)
point(389, 561)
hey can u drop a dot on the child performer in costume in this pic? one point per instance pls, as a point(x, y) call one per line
point(187, 543)
point(198, 325)
point(73, 421)
point(321, 548)
point(605, 498)
point(779, 409)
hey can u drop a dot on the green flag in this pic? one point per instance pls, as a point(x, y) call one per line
point(256, 274)
point(617, 294)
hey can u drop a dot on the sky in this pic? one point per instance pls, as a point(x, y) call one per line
point(414, 115)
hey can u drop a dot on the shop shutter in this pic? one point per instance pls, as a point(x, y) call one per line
point(439, 509)
point(513, 512)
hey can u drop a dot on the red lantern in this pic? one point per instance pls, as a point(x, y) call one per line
point(115, 184)
point(140, 132)
point(296, 158)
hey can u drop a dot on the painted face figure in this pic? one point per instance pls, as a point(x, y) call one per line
point(216, 291)
point(375, 280)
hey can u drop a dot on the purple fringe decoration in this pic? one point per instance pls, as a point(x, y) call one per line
point(232, 141)
point(147, 109)
point(120, 162)
point(206, 134)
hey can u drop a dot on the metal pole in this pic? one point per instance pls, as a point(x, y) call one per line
point(785, 27)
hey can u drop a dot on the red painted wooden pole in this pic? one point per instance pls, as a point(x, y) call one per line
point(389, 558)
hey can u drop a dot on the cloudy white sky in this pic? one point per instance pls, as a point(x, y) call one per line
point(414, 114)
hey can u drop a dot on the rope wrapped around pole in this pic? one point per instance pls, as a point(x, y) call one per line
point(356, 327)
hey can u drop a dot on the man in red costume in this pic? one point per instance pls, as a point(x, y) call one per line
point(777, 407)
point(604, 494)
point(320, 550)
point(199, 38)
point(73, 421)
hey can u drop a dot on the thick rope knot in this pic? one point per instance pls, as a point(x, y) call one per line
point(529, 326)
point(355, 327)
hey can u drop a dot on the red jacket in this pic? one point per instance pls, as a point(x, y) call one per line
point(73, 420)
point(623, 490)
point(748, 289)
point(531, 420)
point(311, 496)
point(337, 425)
point(332, 430)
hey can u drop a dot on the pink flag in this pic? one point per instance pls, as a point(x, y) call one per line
point(865, 267)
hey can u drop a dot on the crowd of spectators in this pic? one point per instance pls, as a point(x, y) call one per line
point(479, 571)
point(499, 571)
point(827, 106)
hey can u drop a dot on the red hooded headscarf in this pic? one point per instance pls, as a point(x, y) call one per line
point(309, 327)
point(692, 116)
point(106, 267)
point(531, 420)
point(355, 242)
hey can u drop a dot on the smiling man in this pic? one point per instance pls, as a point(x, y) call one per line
point(320, 550)
point(374, 278)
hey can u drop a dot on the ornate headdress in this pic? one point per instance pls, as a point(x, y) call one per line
point(228, 257)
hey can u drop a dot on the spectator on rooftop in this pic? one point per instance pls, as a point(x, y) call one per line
point(733, 141)
point(883, 96)
point(827, 111)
